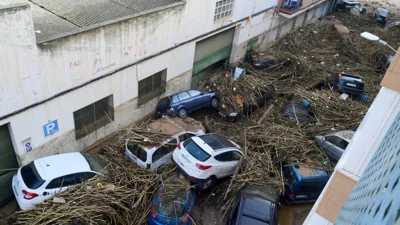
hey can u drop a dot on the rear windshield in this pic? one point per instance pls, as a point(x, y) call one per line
point(164, 101)
point(170, 209)
point(195, 150)
point(95, 163)
point(31, 176)
point(138, 152)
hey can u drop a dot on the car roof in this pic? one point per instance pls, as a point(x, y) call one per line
point(255, 210)
point(54, 166)
point(216, 141)
point(345, 134)
point(306, 172)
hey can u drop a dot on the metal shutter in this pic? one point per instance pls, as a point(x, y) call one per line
point(7, 161)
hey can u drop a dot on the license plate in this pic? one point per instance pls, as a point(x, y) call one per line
point(187, 160)
point(351, 85)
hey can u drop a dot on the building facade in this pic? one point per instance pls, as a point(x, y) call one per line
point(73, 73)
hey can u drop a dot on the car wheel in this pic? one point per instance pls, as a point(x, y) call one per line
point(214, 103)
point(206, 184)
point(182, 113)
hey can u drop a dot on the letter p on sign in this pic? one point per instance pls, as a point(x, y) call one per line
point(50, 128)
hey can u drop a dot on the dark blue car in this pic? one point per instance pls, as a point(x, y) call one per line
point(184, 102)
point(172, 207)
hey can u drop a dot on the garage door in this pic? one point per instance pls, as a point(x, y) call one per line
point(7, 161)
point(210, 51)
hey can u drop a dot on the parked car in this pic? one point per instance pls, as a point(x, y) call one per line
point(335, 144)
point(346, 83)
point(381, 15)
point(255, 206)
point(43, 178)
point(304, 184)
point(172, 207)
point(383, 61)
point(152, 156)
point(346, 5)
point(184, 102)
point(205, 158)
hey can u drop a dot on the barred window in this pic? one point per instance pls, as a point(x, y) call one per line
point(223, 9)
point(152, 86)
point(94, 116)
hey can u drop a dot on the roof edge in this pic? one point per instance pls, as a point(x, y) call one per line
point(89, 28)
point(16, 5)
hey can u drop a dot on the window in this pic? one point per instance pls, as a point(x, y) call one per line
point(293, 24)
point(292, 180)
point(82, 177)
point(152, 86)
point(278, 32)
point(164, 150)
point(93, 117)
point(185, 136)
point(223, 9)
point(228, 156)
point(195, 150)
point(314, 14)
point(184, 96)
point(333, 140)
point(138, 152)
point(31, 177)
point(312, 186)
point(194, 93)
point(64, 181)
point(343, 144)
point(94, 162)
point(174, 99)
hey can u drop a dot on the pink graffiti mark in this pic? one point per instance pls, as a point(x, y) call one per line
point(127, 49)
point(75, 63)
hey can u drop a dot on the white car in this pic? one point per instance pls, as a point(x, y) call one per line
point(43, 178)
point(152, 156)
point(205, 158)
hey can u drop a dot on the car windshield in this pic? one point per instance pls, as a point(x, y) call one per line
point(195, 150)
point(95, 163)
point(31, 177)
point(170, 209)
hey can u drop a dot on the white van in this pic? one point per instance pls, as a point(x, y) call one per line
point(154, 156)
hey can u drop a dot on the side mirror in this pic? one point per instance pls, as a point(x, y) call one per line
point(323, 138)
point(45, 193)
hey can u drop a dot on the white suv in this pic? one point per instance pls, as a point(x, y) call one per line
point(205, 158)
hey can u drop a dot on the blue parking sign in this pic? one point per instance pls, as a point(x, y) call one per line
point(50, 128)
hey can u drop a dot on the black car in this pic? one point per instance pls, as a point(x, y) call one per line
point(346, 83)
point(381, 15)
point(346, 5)
point(255, 206)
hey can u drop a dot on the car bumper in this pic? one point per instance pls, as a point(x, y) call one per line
point(192, 179)
point(171, 113)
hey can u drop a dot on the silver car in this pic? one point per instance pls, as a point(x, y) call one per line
point(335, 144)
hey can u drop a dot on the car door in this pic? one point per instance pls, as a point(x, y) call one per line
point(137, 155)
point(162, 155)
point(185, 101)
point(200, 100)
point(227, 162)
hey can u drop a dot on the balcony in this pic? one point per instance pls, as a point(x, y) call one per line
point(292, 8)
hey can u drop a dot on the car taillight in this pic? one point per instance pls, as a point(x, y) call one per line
point(340, 76)
point(186, 218)
point(179, 146)
point(202, 167)
point(29, 195)
point(291, 195)
point(153, 213)
point(347, 6)
point(256, 64)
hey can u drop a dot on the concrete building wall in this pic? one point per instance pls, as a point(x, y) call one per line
point(49, 81)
